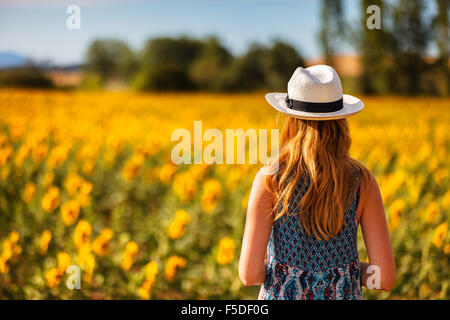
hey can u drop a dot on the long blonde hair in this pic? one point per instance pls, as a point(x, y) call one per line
point(319, 149)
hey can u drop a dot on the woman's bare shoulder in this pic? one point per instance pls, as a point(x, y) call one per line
point(260, 196)
point(368, 192)
point(259, 182)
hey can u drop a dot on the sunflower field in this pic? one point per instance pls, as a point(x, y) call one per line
point(86, 179)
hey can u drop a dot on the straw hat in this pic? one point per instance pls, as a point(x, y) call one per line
point(315, 93)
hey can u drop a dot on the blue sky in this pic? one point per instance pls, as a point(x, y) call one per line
point(39, 30)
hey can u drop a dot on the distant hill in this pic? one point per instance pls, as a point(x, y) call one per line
point(61, 76)
point(11, 60)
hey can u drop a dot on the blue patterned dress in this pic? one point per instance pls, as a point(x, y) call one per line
point(300, 267)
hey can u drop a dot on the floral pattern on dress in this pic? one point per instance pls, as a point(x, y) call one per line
point(284, 282)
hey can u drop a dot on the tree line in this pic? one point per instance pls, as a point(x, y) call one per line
point(393, 58)
point(191, 64)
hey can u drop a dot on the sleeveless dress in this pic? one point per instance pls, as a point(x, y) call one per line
point(300, 267)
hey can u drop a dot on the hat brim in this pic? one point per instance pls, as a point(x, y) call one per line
point(352, 105)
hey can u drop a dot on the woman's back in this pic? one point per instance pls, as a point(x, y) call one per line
point(300, 266)
point(305, 206)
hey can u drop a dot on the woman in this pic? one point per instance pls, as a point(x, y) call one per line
point(305, 208)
